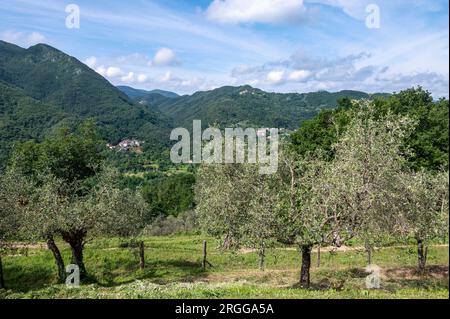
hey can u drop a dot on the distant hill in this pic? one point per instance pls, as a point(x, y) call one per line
point(42, 88)
point(249, 107)
point(133, 93)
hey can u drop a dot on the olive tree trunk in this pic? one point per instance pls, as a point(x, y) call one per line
point(262, 255)
point(368, 248)
point(2, 280)
point(422, 252)
point(58, 259)
point(306, 266)
point(76, 241)
point(318, 256)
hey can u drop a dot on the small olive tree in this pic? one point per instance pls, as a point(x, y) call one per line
point(14, 197)
point(239, 205)
point(424, 208)
point(263, 225)
point(223, 201)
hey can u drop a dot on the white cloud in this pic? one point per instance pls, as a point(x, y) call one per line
point(142, 78)
point(353, 8)
point(91, 62)
point(167, 77)
point(101, 70)
point(113, 71)
point(250, 11)
point(129, 78)
point(35, 37)
point(275, 77)
point(164, 57)
point(23, 39)
point(299, 75)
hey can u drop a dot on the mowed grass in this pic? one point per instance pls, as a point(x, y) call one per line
point(173, 270)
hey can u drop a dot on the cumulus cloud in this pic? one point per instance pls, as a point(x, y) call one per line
point(142, 78)
point(301, 73)
point(22, 38)
point(35, 37)
point(113, 71)
point(101, 70)
point(167, 77)
point(129, 78)
point(110, 71)
point(301, 68)
point(164, 57)
point(275, 77)
point(91, 62)
point(255, 11)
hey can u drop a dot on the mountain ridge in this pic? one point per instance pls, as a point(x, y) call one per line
point(50, 79)
point(248, 106)
point(139, 93)
point(42, 88)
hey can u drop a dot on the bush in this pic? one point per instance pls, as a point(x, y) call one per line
point(170, 225)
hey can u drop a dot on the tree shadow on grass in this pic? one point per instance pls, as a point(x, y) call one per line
point(336, 280)
point(435, 277)
point(179, 270)
point(159, 272)
point(26, 279)
point(393, 279)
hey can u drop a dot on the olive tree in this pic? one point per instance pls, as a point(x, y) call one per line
point(239, 205)
point(333, 201)
point(74, 194)
point(424, 203)
point(14, 196)
point(222, 202)
point(263, 226)
point(368, 160)
point(41, 217)
point(105, 210)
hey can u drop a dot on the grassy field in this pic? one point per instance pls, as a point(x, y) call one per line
point(173, 271)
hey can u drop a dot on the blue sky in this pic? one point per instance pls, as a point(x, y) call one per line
point(275, 45)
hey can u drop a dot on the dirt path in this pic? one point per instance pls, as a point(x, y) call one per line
point(27, 245)
point(242, 250)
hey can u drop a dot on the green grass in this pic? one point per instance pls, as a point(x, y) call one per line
point(173, 271)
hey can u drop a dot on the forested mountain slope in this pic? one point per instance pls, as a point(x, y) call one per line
point(247, 106)
point(42, 87)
